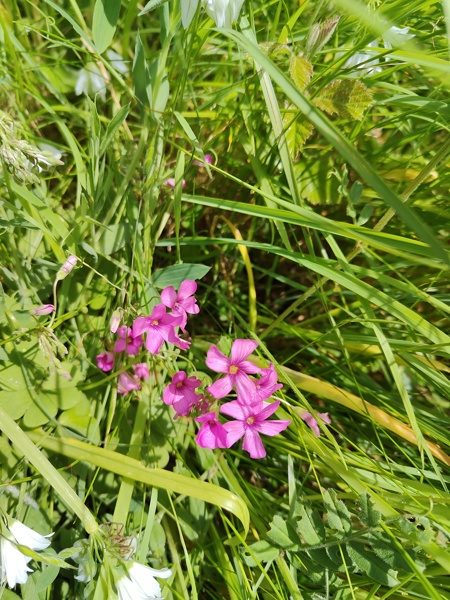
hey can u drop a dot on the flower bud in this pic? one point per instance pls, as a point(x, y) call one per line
point(116, 318)
point(66, 268)
point(44, 309)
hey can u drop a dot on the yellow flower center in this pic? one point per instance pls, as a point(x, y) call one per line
point(251, 420)
point(233, 370)
point(155, 322)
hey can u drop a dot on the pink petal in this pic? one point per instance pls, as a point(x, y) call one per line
point(271, 427)
point(141, 325)
point(217, 361)
point(221, 387)
point(241, 349)
point(235, 430)
point(267, 411)
point(245, 388)
point(325, 418)
point(253, 444)
point(249, 367)
point(187, 288)
point(236, 410)
point(169, 296)
point(154, 342)
point(120, 345)
point(158, 312)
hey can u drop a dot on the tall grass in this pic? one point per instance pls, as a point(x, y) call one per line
point(318, 232)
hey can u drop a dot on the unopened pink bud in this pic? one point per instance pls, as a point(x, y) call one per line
point(171, 183)
point(208, 158)
point(66, 268)
point(44, 309)
point(116, 318)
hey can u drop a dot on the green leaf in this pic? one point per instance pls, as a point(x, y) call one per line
point(301, 71)
point(140, 74)
point(370, 564)
point(175, 274)
point(348, 98)
point(261, 551)
point(297, 130)
point(150, 6)
point(310, 526)
point(337, 513)
point(385, 549)
point(368, 515)
point(319, 35)
point(104, 22)
point(283, 534)
point(113, 126)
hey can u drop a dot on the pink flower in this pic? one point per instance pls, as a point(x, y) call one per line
point(267, 384)
point(170, 182)
point(236, 369)
point(105, 361)
point(160, 327)
point(66, 267)
point(250, 422)
point(180, 393)
point(127, 383)
point(141, 370)
point(44, 309)
point(212, 434)
point(182, 302)
point(312, 423)
point(128, 341)
point(208, 158)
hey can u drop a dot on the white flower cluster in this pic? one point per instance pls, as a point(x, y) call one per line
point(223, 12)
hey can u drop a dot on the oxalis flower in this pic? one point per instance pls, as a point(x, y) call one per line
point(13, 563)
point(181, 393)
point(223, 12)
point(236, 369)
point(250, 422)
point(212, 434)
point(181, 302)
point(313, 424)
point(160, 327)
point(128, 341)
point(139, 583)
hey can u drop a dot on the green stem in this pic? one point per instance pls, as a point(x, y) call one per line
point(47, 470)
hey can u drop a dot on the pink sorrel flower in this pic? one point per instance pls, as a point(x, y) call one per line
point(127, 383)
point(235, 367)
point(181, 393)
point(170, 182)
point(312, 423)
point(105, 361)
point(267, 384)
point(141, 370)
point(212, 434)
point(160, 327)
point(128, 341)
point(66, 267)
point(182, 302)
point(44, 309)
point(208, 158)
point(250, 422)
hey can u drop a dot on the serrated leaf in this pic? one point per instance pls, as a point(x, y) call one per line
point(262, 551)
point(300, 70)
point(319, 35)
point(368, 515)
point(311, 526)
point(322, 557)
point(337, 513)
point(417, 529)
point(297, 131)
point(370, 564)
point(348, 98)
point(385, 549)
point(283, 534)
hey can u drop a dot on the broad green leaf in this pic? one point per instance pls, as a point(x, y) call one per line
point(283, 534)
point(348, 98)
point(301, 71)
point(310, 526)
point(261, 551)
point(319, 35)
point(113, 126)
point(337, 513)
point(104, 22)
point(368, 515)
point(176, 274)
point(370, 564)
point(140, 74)
point(297, 129)
point(385, 549)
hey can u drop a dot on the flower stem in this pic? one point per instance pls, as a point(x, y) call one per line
point(47, 470)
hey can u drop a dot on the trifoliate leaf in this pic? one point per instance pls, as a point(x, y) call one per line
point(283, 534)
point(301, 70)
point(319, 35)
point(368, 515)
point(371, 565)
point(348, 98)
point(297, 131)
point(337, 513)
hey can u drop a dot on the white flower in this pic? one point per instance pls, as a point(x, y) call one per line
point(117, 61)
point(13, 563)
point(396, 36)
point(91, 82)
point(139, 583)
point(223, 12)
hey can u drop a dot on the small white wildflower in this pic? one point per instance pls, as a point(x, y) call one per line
point(223, 12)
point(91, 82)
point(139, 583)
point(117, 62)
point(396, 36)
point(13, 563)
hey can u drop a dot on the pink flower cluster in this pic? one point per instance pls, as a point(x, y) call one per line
point(161, 326)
